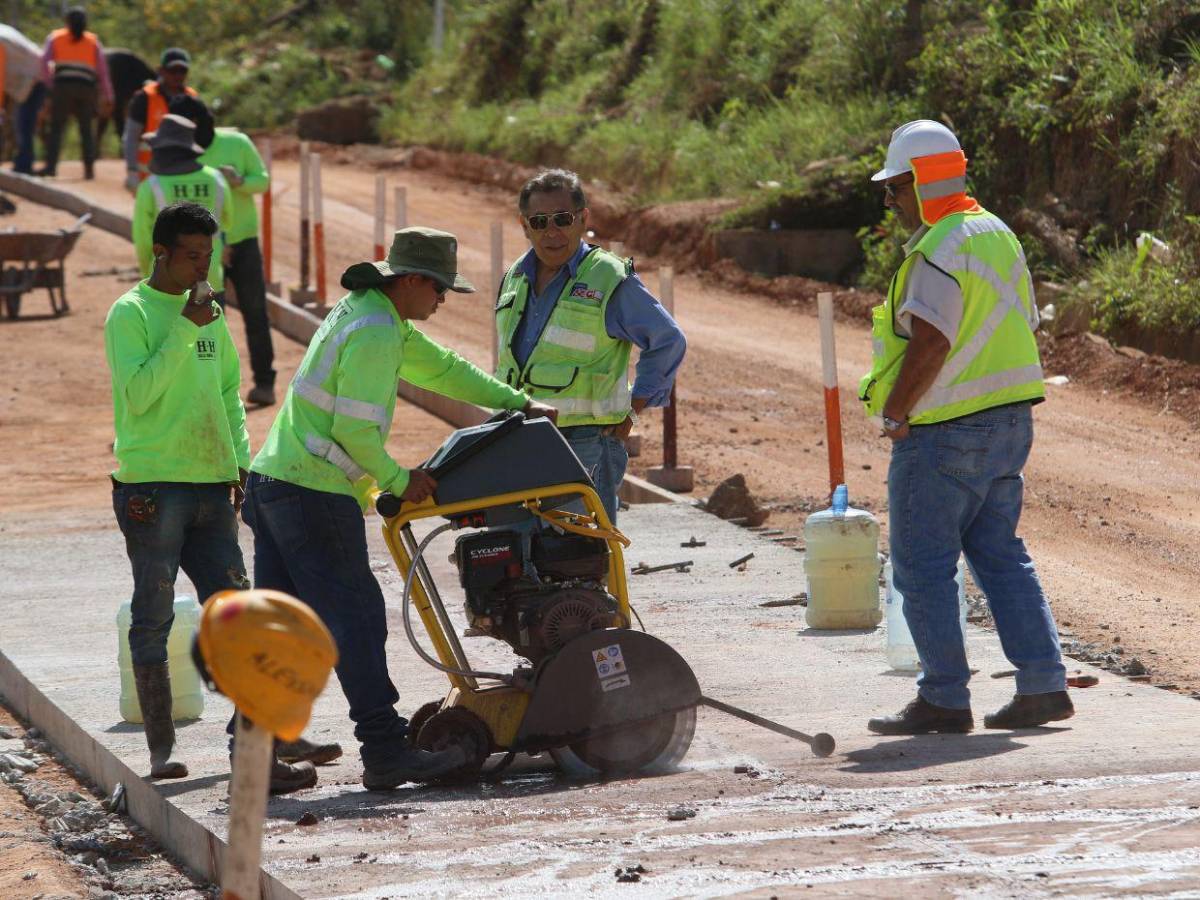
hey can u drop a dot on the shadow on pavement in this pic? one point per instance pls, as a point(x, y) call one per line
point(926, 750)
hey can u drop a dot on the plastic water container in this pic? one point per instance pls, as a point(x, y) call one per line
point(187, 692)
point(841, 562)
point(901, 651)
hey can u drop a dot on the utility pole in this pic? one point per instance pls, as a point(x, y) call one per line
point(439, 25)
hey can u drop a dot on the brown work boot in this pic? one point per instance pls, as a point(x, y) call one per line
point(1031, 710)
point(301, 750)
point(261, 395)
point(286, 777)
point(154, 695)
point(922, 717)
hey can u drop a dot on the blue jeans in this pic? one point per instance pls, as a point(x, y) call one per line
point(953, 488)
point(605, 459)
point(168, 525)
point(27, 114)
point(313, 545)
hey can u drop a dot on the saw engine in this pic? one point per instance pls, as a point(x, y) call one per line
point(537, 600)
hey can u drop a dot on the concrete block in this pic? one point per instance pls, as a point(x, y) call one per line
point(825, 253)
point(301, 296)
point(678, 479)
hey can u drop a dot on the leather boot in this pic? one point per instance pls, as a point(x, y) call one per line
point(154, 695)
point(1031, 710)
point(922, 717)
point(301, 750)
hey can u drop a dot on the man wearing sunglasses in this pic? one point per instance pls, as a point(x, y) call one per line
point(567, 316)
point(309, 485)
point(955, 374)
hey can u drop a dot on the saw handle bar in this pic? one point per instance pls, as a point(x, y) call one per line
point(576, 524)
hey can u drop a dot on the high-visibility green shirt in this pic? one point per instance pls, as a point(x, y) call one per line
point(176, 402)
point(232, 148)
point(330, 433)
point(207, 187)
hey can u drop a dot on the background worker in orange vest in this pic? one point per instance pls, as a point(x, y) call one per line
point(74, 69)
point(147, 108)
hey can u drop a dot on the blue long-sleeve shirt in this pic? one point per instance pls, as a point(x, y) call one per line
point(633, 314)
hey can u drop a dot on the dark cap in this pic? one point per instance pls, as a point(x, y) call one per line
point(175, 56)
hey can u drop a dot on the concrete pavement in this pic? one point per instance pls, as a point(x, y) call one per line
point(1108, 803)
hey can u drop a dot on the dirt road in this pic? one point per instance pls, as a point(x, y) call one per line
point(1112, 510)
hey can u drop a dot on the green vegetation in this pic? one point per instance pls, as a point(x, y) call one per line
point(1086, 111)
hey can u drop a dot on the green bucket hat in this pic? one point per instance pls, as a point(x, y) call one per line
point(414, 251)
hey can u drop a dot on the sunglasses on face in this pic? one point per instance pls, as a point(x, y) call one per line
point(890, 187)
point(539, 221)
point(438, 287)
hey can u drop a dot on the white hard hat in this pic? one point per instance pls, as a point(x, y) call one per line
point(924, 137)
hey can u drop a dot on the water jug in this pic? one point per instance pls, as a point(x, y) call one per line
point(901, 651)
point(841, 561)
point(187, 692)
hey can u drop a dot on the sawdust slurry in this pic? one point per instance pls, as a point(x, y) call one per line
point(1112, 507)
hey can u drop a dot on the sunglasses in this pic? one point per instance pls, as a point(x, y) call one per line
point(539, 221)
point(438, 287)
point(889, 187)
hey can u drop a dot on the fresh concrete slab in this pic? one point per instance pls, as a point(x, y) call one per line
point(1107, 803)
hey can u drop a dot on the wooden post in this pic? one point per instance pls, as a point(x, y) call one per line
point(267, 216)
point(401, 207)
point(833, 410)
point(497, 280)
point(318, 229)
point(380, 216)
point(247, 809)
point(670, 474)
point(304, 187)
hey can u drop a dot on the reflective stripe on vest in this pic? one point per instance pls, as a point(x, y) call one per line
point(156, 111)
point(985, 258)
point(576, 366)
point(309, 383)
point(160, 199)
point(75, 60)
point(328, 450)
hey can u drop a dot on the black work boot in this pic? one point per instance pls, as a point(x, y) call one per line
point(154, 695)
point(393, 764)
point(1031, 710)
point(301, 750)
point(286, 777)
point(922, 717)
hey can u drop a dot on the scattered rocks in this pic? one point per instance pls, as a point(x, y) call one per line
point(315, 858)
point(307, 820)
point(680, 813)
point(731, 499)
point(630, 874)
point(746, 770)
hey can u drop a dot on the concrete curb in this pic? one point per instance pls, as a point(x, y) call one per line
point(299, 324)
point(184, 837)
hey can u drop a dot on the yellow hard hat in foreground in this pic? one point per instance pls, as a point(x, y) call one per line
point(268, 653)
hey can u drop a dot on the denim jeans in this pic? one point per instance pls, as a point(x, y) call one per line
point(168, 525)
point(605, 459)
point(27, 114)
point(313, 545)
point(245, 270)
point(953, 488)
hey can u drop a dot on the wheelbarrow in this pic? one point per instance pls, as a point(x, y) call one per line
point(34, 259)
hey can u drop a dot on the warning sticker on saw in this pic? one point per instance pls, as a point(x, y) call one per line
point(611, 684)
point(610, 662)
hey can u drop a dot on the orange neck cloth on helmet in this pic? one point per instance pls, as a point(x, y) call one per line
point(940, 181)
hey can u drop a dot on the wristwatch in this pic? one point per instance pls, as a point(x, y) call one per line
point(890, 424)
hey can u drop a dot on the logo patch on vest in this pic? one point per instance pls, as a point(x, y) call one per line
point(586, 293)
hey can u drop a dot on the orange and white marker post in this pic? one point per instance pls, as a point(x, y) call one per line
point(380, 216)
point(833, 409)
point(497, 279)
point(401, 193)
point(268, 217)
point(318, 229)
point(302, 294)
point(670, 474)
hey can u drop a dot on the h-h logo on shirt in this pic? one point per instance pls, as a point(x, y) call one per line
point(206, 349)
point(191, 191)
